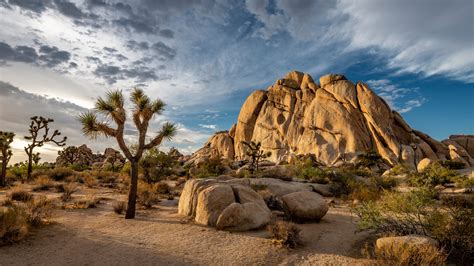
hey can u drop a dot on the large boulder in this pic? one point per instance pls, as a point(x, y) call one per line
point(211, 202)
point(226, 205)
point(305, 206)
point(334, 121)
point(279, 188)
point(423, 164)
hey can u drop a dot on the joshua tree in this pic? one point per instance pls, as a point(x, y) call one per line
point(69, 154)
point(255, 154)
point(38, 124)
point(5, 139)
point(144, 109)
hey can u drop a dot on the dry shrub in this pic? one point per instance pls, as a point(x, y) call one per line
point(68, 190)
point(43, 183)
point(89, 180)
point(20, 194)
point(270, 200)
point(409, 255)
point(13, 225)
point(147, 194)
point(38, 211)
point(162, 188)
point(285, 234)
point(120, 207)
point(59, 174)
point(90, 201)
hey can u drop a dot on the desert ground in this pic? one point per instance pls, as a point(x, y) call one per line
point(160, 236)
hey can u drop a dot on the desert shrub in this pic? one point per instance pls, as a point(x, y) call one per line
point(147, 195)
point(213, 166)
point(362, 192)
point(42, 183)
point(384, 182)
point(126, 168)
point(455, 229)
point(409, 255)
point(433, 175)
point(79, 167)
point(271, 200)
point(68, 190)
point(400, 169)
point(89, 180)
point(162, 188)
point(60, 174)
point(398, 213)
point(20, 194)
point(418, 212)
point(305, 169)
point(156, 165)
point(120, 207)
point(285, 234)
point(38, 210)
point(369, 159)
point(90, 201)
point(450, 164)
point(13, 224)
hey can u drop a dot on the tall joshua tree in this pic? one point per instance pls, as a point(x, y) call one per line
point(37, 125)
point(144, 109)
point(5, 139)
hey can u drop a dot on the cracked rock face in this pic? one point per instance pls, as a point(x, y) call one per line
point(335, 120)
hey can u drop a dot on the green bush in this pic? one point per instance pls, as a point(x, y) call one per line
point(212, 166)
point(400, 169)
point(433, 175)
point(418, 212)
point(450, 164)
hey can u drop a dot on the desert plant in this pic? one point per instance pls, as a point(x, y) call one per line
point(450, 164)
point(120, 207)
point(369, 159)
point(13, 225)
point(19, 194)
point(147, 194)
point(6, 138)
point(156, 165)
point(90, 201)
point(211, 166)
point(60, 174)
point(284, 233)
point(68, 190)
point(434, 174)
point(409, 255)
point(38, 210)
point(162, 188)
point(69, 154)
point(42, 183)
point(255, 153)
point(144, 110)
point(38, 124)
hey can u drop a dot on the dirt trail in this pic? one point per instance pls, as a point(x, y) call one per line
point(161, 237)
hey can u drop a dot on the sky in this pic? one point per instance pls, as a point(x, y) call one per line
point(204, 57)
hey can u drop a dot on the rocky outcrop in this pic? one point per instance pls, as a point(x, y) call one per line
point(396, 242)
point(83, 156)
point(335, 121)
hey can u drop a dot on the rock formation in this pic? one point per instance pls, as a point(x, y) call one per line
point(335, 121)
point(85, 157)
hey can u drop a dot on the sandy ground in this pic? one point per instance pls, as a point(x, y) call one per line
point(161, 237)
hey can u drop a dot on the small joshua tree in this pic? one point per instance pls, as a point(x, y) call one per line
point(5, 139)
point(144, 109)
point(69, 154)
point(255, 154)
point(37, 140)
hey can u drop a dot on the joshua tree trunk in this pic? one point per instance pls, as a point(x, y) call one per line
point(132, 195)
point(30, 167)
point(3, 174)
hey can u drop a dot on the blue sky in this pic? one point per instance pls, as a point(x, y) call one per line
point(204, 57)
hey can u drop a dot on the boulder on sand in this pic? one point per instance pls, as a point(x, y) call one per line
point(304, 206)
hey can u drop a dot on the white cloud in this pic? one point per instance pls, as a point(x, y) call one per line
point(214, 127)
point(399, 98)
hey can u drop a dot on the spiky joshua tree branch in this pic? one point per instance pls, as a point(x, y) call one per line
point(5, 139)
point(255, 154)
point(37, 125)
point(112, 108)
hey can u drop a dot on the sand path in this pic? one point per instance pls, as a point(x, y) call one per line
point(161, 237)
